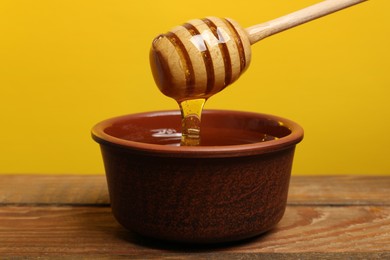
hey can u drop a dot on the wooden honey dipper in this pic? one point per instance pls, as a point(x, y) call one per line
point(203, 56)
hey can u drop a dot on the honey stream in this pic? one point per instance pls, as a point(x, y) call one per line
point(191, 112)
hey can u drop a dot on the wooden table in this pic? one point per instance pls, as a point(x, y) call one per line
point(69, 216)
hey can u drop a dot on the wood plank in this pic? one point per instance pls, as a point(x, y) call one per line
point(356, 232)
point(340, 190)
point(53, 189)
point(92, 190)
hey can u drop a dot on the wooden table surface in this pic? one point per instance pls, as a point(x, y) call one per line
point(69, 216)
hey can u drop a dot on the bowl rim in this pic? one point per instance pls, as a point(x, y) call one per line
point(296, 135)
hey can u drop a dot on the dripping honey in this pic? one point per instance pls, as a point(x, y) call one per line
point(191, 112)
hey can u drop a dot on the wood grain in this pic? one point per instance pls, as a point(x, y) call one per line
point(59, 231)
point(199, 58)
point(339, 190)
point(68, 216)
point(261, 31)
point(53, 189)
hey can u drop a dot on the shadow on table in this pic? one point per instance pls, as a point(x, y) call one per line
point(157, 244)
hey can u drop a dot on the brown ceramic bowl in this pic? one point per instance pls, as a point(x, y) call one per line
point(218, 192)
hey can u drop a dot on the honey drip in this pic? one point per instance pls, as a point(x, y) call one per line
point(191, 111)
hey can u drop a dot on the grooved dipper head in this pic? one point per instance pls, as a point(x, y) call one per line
point(199, 58)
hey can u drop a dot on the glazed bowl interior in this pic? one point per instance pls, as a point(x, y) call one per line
point(223, 133)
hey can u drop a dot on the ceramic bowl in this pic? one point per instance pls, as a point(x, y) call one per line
point(217, 192)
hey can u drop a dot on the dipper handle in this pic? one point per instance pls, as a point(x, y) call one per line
point(261, 31)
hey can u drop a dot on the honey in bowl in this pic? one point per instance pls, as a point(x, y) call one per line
point(210, 136)
point(220, 129)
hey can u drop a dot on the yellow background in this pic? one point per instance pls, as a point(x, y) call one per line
point(65, 65)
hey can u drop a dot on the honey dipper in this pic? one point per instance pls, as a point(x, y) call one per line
point(203, 56)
